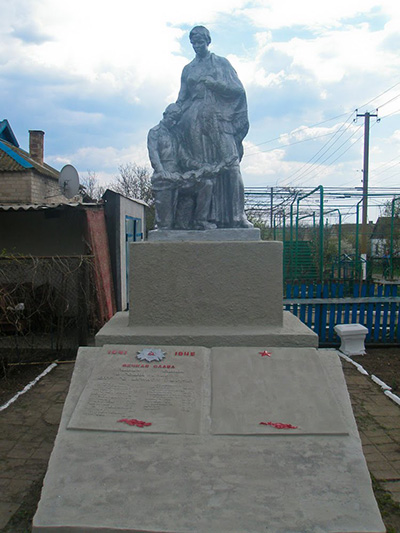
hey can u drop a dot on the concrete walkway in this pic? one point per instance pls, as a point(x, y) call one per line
point(29, 426)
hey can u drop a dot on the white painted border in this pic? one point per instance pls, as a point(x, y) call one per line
point(27, 387)
point(385, 388)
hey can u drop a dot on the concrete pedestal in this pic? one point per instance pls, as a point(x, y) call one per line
point(207, 294)
point(352, 338)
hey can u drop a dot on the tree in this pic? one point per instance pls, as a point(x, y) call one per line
point(134, 181)
point(386, 209)
point(92, 190)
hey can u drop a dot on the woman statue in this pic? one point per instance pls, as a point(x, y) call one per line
point(212, 127)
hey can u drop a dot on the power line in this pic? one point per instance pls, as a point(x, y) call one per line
point(388, 102)
point(379, 95)
point(386, 163)
point(296, 131)
point(385, 169)
point(330, 155)
point(390, 114)
point(284, 145)
point(311, 159)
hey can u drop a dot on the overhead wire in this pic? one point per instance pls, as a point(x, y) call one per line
point(285, 145)
point(326, 144)
point(313, 170)
point(384, 164)
point(390, 114)
point(379, 95)
point(311, 165)
point(388, 102)
point(374, 173)
point(296, 131)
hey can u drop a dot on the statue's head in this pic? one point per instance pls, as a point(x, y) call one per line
point(200, 30)
point(200, 39)
point(171, 115)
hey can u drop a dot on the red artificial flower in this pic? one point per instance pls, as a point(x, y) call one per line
point(278, 425)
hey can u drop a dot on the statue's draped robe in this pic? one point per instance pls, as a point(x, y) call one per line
point(213, 125)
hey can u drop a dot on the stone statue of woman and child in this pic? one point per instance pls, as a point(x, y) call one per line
point(196, 149)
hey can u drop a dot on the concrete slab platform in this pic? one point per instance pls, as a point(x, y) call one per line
point(292, 333)
point(104, 481)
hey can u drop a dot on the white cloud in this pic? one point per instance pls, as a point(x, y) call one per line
point(312, 14)
point(97, 76)
point(92, 158)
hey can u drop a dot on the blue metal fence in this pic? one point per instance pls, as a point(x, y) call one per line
point(322, 306)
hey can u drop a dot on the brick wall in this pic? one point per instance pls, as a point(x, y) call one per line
point(45, 190)
point(15, 187)
point(29, 187)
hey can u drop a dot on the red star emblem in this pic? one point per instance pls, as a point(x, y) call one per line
point(265, 353)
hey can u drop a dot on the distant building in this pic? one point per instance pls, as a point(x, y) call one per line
point(381, 236)
point(24, 177)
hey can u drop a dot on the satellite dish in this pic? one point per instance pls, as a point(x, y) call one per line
point(69, 181)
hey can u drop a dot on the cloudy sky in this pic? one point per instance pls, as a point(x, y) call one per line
point(96, 76)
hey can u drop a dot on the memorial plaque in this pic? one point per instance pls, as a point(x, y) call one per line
point(156, 390)
point(276, 391)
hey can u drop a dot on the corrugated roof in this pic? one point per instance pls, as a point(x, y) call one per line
point(40, 207)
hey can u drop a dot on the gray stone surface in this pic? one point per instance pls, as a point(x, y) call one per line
point(126, 481)
point(219, 234)
point(292, 333)
point(196, 149)
point(215, 284)
point(283, 385)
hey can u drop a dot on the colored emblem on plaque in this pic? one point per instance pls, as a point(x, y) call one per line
point(265, 353)
point(151, 354)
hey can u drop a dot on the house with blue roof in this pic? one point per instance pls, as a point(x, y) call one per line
point(24, 176)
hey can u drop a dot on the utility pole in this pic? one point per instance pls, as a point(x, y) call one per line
point(364, 225)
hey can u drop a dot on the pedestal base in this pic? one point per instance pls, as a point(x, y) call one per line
point(292, 333)
point(232, 473)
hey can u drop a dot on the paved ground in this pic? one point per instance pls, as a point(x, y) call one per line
point(378, 421)
point(29, 426)
point(27, 432)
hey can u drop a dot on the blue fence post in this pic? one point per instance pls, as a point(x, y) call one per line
point(317, 320)
point(310, 308)
point(370, 312)
point(295, 295)
point(288, 294)
point(377, 321)
point(362, 306)
point(303, 292)
point(393, 313)
point(324, 311)
point(385, 333)
point(332, 309)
